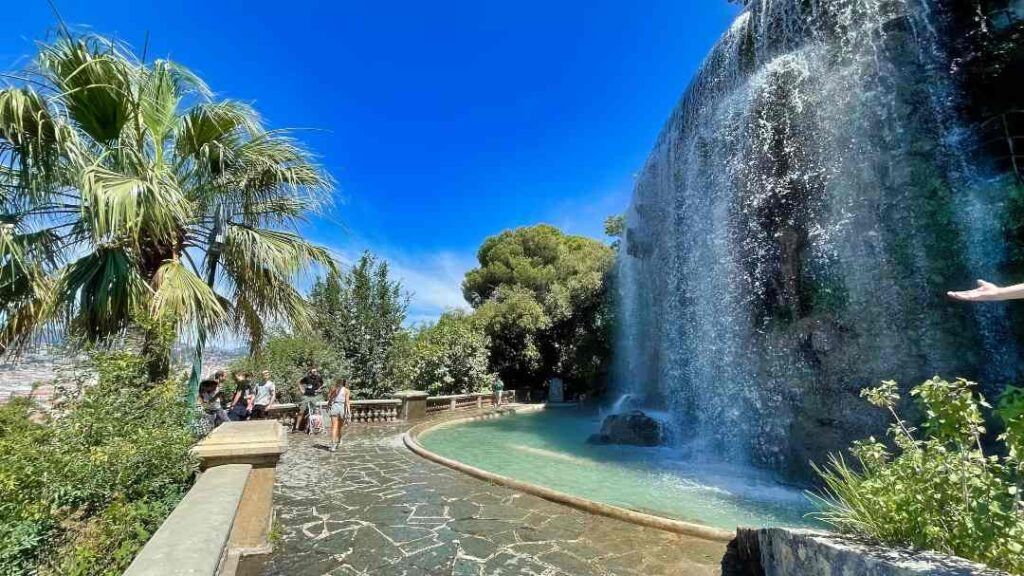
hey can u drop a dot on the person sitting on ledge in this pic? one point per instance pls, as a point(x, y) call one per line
point(241, 402)
point(309, 387)
point(989, 292)
point(266, 394)
point(210, 402)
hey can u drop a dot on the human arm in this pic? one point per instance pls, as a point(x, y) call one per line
point(988, 292)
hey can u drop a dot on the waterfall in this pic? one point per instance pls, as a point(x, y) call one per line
point(793, 232)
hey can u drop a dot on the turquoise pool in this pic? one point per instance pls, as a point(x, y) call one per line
point(549, 448)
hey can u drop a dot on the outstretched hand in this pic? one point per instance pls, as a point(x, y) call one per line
point(985, 292)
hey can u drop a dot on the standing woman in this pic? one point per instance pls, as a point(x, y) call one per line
point(340, 409)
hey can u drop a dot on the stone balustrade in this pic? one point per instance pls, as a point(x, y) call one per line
point(399, 408)
point(373, 411)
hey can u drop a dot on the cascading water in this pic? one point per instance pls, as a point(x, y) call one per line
point(793, 231)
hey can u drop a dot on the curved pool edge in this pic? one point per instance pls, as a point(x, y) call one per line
point(411, 442)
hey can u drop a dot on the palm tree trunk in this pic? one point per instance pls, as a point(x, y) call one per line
point(157, 353)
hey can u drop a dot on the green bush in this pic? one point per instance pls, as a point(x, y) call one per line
point(934, 488)
point(449, 357)
point(81, 490)
point(289, 358)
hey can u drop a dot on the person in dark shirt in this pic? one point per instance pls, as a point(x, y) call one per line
point(241, 402)
point(309, 386)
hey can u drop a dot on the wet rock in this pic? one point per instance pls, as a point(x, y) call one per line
point(634, 428)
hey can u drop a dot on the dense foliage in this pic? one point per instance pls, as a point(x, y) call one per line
point(355, 332)
point(936, 488)
point(123, 185)
point(82, 489)
point(541, 297)
point(288, 357)
point(359, 313)
point(449, 357)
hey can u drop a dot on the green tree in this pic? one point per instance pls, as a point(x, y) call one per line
point(615, 227)
point(289, 357)
point(449, 357)
point(126, 190)
point(541, 297)
point(359, 313)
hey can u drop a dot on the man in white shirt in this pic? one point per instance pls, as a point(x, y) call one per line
point(266, 394)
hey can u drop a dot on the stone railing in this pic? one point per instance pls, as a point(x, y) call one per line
point(222, 526)
point(372, 411)
point(408, 405)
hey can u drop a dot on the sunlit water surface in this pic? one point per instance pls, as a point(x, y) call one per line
point(549, 448)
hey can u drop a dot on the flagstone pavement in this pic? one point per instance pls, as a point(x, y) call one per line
point(374, 507)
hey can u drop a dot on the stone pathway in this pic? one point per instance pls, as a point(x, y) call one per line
point(374, 507)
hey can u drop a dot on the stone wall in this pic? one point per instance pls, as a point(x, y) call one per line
point(787, 552)
point(222, 526)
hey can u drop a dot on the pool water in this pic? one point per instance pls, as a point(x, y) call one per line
point(549, 448)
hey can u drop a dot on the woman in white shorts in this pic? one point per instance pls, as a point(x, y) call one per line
point(340, 408)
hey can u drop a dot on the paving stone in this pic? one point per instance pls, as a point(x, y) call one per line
point(477, 547)
point(373, 507)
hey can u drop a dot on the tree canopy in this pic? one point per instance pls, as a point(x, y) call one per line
point(449, 356)
point(359, 313)
point(541, 297)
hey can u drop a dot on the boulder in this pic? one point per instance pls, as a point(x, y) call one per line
point(633, 428)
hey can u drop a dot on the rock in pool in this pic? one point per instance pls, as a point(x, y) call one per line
point(634, 428)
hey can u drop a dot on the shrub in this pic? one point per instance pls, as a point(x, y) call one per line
point(81, 490)
point(289, 358)
point(934, 488)
point(449, 357)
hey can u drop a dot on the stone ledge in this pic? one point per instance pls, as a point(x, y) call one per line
point(192, 539)
point(791, 552)
point(256, 442)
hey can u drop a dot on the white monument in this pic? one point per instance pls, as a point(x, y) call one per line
point(556, 390)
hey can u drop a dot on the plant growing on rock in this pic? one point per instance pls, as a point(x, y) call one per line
point(935, 487)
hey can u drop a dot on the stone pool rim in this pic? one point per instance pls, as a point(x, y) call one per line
point(410, 439)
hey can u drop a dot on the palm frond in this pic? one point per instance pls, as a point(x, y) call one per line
point(273, 165)
point(100, 293)
point(261, 266)
point(94, 79)
point(183, 295)
point(30, 139)
point(207, 134)
point(119, 205)
point(285, 253)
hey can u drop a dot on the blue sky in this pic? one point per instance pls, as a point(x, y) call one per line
point(443, 122)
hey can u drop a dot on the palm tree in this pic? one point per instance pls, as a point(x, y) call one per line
point(128, 191)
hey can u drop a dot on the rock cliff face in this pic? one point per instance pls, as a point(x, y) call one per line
point(821, 184)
